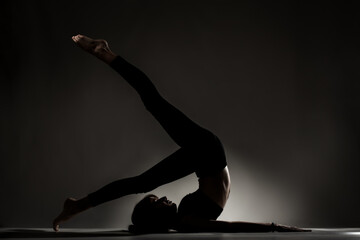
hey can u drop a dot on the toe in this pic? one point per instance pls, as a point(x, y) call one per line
point(56, 228)
point(56, 225)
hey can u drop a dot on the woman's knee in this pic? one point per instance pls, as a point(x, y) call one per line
point(209, 139)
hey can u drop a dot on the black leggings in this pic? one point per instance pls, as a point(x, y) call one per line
point(200, 150)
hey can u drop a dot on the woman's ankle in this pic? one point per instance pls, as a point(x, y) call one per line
point(108, 57)
point(83, 204)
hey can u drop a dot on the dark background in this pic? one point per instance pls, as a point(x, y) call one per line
point(277, 81)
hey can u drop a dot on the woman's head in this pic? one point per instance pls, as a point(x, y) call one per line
point(153, 214)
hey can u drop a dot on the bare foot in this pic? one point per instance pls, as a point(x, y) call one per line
point(97, 47)
point(70, 209)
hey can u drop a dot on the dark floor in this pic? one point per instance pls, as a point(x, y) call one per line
point(95, 234)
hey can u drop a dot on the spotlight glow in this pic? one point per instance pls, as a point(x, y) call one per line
point(254, 197)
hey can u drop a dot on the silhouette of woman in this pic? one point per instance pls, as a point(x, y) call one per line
point(200, 152)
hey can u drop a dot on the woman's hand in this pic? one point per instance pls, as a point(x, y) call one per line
point(284, 228)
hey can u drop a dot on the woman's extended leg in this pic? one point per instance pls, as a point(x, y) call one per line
point(178, 165)
point(179, 127)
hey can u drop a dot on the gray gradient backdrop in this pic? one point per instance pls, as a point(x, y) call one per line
point(277, 81)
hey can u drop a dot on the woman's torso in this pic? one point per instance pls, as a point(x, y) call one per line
point(217, 186)
point(214, 182)
point(209, 200)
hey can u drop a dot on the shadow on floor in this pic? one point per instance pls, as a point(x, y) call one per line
point(39, 233)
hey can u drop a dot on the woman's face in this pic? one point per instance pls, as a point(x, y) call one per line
point(162, 203)
point(156, 212)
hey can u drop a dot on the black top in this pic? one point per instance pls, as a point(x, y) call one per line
point(199, 205)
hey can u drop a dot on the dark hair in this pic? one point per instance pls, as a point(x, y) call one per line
point(146, 218)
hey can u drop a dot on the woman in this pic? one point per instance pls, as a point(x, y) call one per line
point(200, 152)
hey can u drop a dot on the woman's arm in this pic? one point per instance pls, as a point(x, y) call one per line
point(191, 224)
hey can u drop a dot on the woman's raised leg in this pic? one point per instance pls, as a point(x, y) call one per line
point(179, 127)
